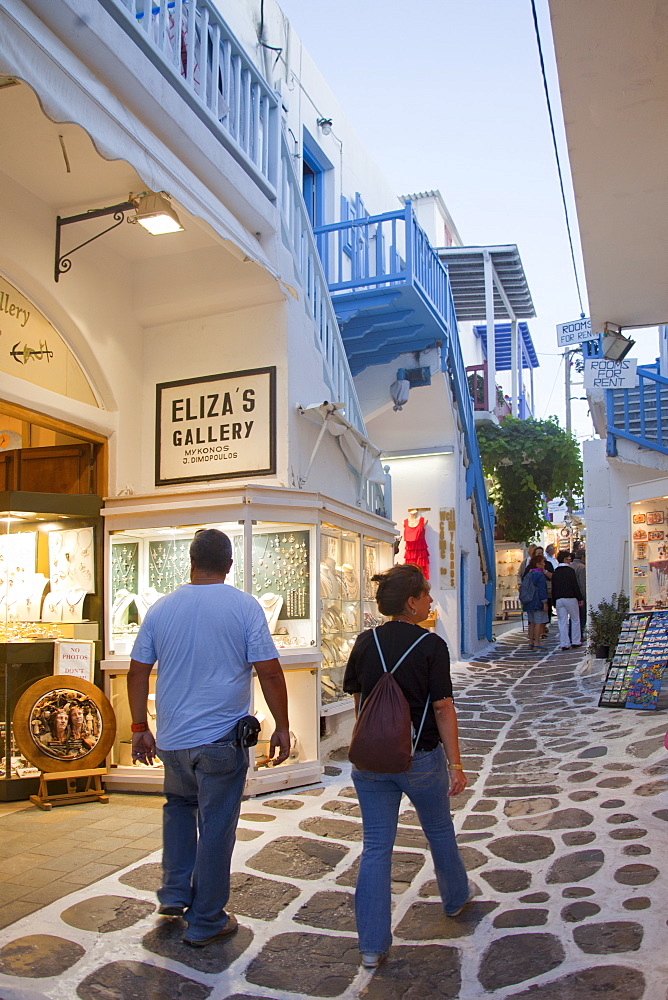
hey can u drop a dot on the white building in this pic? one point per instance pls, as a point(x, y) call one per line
point(199, 376)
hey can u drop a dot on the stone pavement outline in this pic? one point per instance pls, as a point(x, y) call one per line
point(563, 833)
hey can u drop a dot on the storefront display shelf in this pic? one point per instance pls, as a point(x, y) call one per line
point(280, 538)
point(50, 590)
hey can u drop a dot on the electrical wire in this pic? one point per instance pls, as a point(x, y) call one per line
point(556, 149)
point(549, 400)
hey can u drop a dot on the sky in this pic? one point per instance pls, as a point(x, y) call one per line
point(448, 94)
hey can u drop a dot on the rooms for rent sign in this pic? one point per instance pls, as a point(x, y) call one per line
point(216, 427)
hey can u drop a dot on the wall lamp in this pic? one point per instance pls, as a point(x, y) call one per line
point(152, 210)
point(325, 125)
point(615, 345)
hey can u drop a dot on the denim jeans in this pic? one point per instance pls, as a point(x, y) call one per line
point(426, 784)
point(203, 789)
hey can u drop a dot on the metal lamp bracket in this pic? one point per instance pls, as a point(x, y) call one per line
point(62, 261)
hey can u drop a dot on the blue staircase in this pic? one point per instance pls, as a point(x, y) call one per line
point(640, 415)
point(392, 295)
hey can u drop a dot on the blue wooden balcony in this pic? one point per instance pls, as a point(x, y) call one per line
point(639, 415)
point(392, 295)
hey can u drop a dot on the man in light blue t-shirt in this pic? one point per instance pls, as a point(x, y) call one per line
point(206, 638)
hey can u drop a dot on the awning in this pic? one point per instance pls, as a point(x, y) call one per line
point(503, 349)
point(466, 268)
point(362, 455)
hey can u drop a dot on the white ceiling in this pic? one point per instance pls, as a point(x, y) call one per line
point(613, 73)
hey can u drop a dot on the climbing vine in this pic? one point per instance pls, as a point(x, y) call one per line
point(528, 462)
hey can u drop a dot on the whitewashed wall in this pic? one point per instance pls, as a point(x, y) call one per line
point(606, 492)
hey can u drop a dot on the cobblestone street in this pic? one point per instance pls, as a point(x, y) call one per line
point(562, 830)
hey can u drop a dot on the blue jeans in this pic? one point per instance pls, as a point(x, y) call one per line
point(203, 789)
point(426, 784)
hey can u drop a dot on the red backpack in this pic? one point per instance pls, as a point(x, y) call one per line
point(381, 740)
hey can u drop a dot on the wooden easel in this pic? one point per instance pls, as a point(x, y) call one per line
point(93, 791)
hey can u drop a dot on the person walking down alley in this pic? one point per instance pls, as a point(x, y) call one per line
point(534, 587)
point(435, 770)
point(206, 637)
point(578, 564)
point(568, 598)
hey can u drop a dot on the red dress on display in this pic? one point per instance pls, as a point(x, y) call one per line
point(416, 551)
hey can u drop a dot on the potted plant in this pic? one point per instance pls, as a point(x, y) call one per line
point(605, 624)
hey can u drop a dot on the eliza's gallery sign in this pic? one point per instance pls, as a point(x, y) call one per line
point(216, 427)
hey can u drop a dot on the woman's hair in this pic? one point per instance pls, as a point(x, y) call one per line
point(535, 560)
point(531, 549)
point(396, 585)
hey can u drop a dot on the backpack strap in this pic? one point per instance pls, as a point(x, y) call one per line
point(400, 661)
point(401, 658)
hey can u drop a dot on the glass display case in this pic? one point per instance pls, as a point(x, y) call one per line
point(348, 563)
point(278, 539)
point(509, 559)
point(340, 619)
point(50, 590)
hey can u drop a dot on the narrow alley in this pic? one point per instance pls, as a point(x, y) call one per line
point(561, 829)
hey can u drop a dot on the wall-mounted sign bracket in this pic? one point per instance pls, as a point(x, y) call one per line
point(62, 261)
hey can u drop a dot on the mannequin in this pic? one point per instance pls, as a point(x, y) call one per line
point(416, 551)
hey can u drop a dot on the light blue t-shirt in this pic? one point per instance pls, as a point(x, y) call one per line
point(205, 638)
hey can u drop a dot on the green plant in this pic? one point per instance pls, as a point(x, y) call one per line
point(528, 462)
point(605, 621)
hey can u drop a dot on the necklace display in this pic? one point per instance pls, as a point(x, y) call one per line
point(72, 559)
point(280, 566)
point(168, 564)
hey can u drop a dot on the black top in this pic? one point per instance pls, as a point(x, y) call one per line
point(565, 583)
point(424, 673)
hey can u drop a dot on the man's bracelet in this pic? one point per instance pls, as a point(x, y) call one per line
point(139, 727)
point(456, 767)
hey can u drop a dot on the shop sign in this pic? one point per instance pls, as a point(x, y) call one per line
point(446, 544)
point(31, 349)
point(216, 427)
point(575, 332)
point(602, 373)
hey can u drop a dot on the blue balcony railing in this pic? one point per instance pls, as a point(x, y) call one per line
point(640, 415)
point(380, 251)
point(392, 250)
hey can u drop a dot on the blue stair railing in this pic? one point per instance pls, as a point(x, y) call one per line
point(639, 415)
point(392, 249)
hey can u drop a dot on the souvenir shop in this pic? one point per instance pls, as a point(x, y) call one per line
point(647, 563)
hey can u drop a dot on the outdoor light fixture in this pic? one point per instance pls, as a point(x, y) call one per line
point(615, 345)
point(155, 213)
point(325, 125)
point(152, 210)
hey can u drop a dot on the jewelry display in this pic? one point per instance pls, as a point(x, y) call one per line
point(124, 568)
point(168, 564)
point(340, 608)
point(271, 605)
point(52, 609)
point(72, 559)
point(281, 567)
point(72, 604)
point(18, 559)
point(144, 601)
